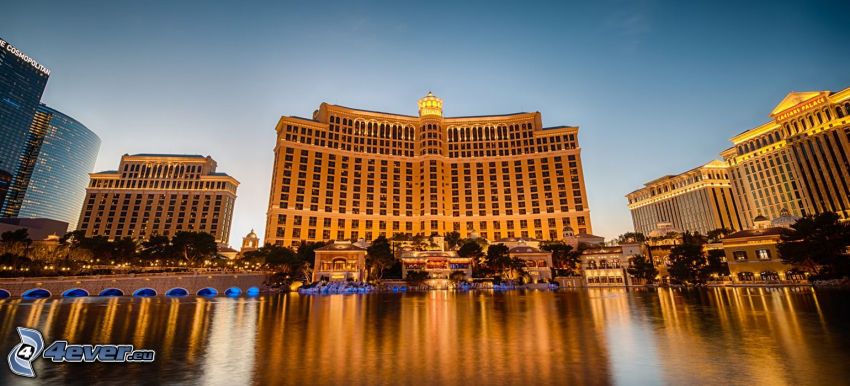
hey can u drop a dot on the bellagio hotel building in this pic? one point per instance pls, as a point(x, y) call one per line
point(350, 173)
point(159, 194)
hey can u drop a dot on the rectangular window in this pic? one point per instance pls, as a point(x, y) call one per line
point(763, 254)
point(740, 255)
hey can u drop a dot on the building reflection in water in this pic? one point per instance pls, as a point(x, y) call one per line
point(599, 336)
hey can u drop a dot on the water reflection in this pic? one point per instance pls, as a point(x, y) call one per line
point(601, 336)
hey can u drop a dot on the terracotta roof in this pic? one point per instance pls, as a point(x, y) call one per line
point(524, 249)
point(340, 246)
point(757, 232)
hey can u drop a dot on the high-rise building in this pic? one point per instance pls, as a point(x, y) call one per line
point(349, 173)
point(798, 161)
point(60, 154)
point(698, 200)
point(22, 82)
point(816, 126)
point(159, 194)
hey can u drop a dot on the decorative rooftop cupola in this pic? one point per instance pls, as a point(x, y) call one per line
point(251, 242)
point(430, 106)
point(761, 222)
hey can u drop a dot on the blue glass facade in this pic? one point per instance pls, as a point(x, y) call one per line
point(22, 82)
point(59, 175)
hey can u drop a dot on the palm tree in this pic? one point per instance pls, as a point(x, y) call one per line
point(818, 244)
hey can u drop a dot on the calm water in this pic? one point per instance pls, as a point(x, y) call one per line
point(715, 336)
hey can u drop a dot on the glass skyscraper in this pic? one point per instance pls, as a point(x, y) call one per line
point(22, 82)
point(58, 175)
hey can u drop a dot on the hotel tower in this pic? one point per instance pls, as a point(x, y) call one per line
point(351, 173)
point(798, 164)
point(159, 194)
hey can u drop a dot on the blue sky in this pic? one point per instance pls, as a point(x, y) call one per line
point(657, 87)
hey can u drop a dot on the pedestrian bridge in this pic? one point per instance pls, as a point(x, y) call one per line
point(142, 285)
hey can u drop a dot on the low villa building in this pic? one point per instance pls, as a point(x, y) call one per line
point(605, 267)
point(511, 242)
point(438, 264)
point(339, 261)
point(538, 264)
point(659, 244)
point(753, 256)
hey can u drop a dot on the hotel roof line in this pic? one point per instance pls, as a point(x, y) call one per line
point(715, 163)
point(448, 119)
point(791, 99)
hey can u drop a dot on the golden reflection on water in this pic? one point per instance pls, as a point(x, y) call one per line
point(601, 336)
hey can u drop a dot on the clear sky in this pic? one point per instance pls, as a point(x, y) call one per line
point(656, 87)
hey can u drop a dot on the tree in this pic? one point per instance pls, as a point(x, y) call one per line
point(157, 247)
point(452, 239)
point(124, 248)
point(16, 241)
point(470, 249)
point(631, 237)
point(818, 244)
point(307, 250)
point(714, 236)
point(457, 276)
point(565, 259)
point(416, 278)
point(500, 262)
point(715, 263)
point(99, 246)
point(642, 268)
point(379, 256)
point(688, 265)
point(194, 246)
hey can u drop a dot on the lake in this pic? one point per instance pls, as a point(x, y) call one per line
point(745, 336)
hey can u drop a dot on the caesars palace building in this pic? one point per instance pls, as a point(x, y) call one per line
point(349, 174)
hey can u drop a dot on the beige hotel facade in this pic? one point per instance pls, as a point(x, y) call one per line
point(698, 200)
point(798, 162)
point(159, 194)
point(350, 173)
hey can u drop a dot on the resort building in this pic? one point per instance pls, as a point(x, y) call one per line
point(605, 267)
point(659, 243)
point(698, 200)
point(511, 242)
point(159, 194)
point(799, 161)
point(340, 261)
point(816, 127)
point(438, 264)
point(350, 173)
point(538, 264)
point(752, 254)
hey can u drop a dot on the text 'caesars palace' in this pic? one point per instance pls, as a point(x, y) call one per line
point(350, 173)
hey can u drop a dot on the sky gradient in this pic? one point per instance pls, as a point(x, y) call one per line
point(656, 87)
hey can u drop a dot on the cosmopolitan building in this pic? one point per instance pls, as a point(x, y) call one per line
point(60, 155)
point(348, 173)
point(698, 200)
point(22, 82)
point(159, 194)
